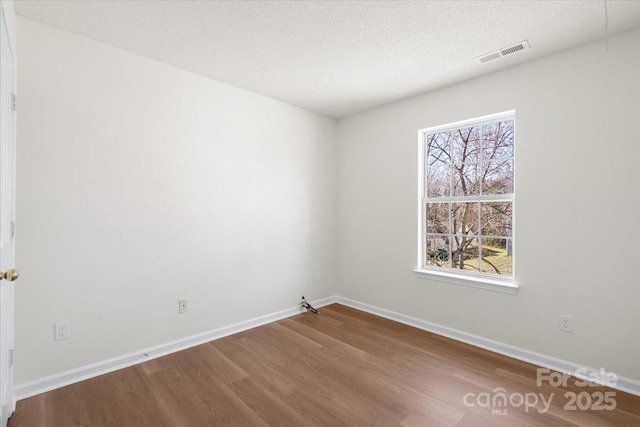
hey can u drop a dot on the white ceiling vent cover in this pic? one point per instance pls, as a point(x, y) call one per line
point(523, 45)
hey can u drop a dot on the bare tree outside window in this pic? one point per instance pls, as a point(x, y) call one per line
point(468, 198)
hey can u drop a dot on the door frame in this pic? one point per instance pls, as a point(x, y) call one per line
point(8, 26)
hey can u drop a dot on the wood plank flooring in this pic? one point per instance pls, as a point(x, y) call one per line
point(342, 367)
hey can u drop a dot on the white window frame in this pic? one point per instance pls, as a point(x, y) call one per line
point(505, 284)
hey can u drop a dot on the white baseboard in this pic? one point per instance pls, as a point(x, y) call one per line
point(42, 385)
point(623, 384)
point(22, 391)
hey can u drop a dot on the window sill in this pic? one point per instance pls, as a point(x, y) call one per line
point(503, 286)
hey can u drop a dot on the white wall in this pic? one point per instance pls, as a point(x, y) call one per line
point(140, 184)
point(577, 207)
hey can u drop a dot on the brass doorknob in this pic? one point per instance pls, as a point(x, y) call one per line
point(9, 275)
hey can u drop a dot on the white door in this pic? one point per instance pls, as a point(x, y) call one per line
point(7, 210)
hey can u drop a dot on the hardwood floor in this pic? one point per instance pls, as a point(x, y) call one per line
point(342, 367)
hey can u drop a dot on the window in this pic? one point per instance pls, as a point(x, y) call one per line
point(467, 202)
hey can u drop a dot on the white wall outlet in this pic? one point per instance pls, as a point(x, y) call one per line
point(318, 278)
point(61, 331)
point(566, 323)
point(183, 306)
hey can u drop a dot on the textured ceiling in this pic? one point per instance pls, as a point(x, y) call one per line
point(336, 57)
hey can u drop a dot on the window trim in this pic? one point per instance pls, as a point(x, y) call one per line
point(466, 278)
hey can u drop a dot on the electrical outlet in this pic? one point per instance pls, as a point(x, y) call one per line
point(318, 278)
point(61, 331)
point(183, 306)
point(566, 323)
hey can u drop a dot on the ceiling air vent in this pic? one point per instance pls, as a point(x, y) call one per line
point(523, 45)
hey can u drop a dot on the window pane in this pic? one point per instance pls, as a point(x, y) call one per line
point(498, 177)
point(466, 145)
point(438, 148)
point(438, 181)
point(437, 251)
point(495, 218)
point(497, 140)
point(466, 179)
point(497, 256)
point(464, 253)
point(438, 218)
point(464, 218)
